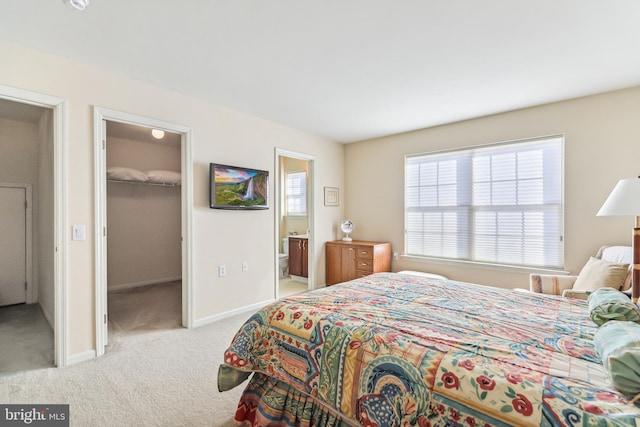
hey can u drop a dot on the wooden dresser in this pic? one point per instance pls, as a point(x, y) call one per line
point(350, 260)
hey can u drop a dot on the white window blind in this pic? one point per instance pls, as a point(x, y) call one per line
point(296, 193)
point(499, 204)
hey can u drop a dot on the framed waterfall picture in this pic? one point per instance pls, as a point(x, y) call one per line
point(233, 187)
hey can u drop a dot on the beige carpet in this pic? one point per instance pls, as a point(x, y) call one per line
point(152, 377)
point(144, 309)
point(26, 339)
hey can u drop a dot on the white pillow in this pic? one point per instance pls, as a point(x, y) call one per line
point(164, 177)
point(126, 174)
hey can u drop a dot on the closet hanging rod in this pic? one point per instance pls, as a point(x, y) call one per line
point(144, 183)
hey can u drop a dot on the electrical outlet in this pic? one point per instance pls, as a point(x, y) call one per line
point(222, 270)
point(245, 266)
point(395, 255)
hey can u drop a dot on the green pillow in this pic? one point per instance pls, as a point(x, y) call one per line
point(610, 304)
point(618, 345)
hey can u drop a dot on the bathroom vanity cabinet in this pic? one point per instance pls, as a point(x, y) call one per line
point(298, 257)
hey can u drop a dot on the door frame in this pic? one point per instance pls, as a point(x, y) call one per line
point(311, 214)
point(31, 292)
point(100, 116)
point(60, 236)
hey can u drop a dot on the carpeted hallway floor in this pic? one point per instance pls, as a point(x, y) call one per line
point(154, 372)
point(26, 339)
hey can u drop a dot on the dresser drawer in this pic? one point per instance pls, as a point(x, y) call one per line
point(361, 273)
point(364, 265)
point(364, 253)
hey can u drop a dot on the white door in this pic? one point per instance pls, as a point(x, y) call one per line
point(13, 258)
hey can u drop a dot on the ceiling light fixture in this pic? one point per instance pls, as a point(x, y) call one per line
point(79, 4)
point(157, 133)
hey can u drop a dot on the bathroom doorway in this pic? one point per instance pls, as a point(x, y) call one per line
point(294, 218)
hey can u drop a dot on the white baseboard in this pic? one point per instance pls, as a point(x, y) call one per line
point(249, 308)
point(81, 357)
point(143, 283)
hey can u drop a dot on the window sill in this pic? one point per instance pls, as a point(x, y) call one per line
point(486, 266)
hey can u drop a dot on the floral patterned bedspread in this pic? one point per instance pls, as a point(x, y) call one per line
point(398, 350)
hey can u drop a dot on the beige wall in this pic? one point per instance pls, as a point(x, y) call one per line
point(219, 135)
point(26, 157)
point(19, 146)
point(144, 221)
point(602, 145)
point(141, 155)
point(45, 230)
point(19, 152)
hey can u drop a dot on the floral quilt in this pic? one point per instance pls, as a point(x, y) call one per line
point(400, 350)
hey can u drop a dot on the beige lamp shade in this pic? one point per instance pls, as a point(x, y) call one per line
point(624, 200)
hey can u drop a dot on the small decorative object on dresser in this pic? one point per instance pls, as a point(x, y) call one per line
point(347, 227)
point(350, 260)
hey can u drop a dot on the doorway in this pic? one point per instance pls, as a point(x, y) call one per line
point(32, 172)
point(295, 272)
point(143, 210)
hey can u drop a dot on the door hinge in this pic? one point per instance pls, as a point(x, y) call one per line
point(103, 144)
point(105, 319)
point(104, 231)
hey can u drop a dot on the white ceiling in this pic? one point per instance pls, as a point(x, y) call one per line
point(349, 69)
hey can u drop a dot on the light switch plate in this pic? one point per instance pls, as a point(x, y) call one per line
point(78, 232)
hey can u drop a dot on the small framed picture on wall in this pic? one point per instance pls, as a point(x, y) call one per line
point(331, 196)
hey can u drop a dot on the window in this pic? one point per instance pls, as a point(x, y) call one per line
point(296, 193)
point(499, 204)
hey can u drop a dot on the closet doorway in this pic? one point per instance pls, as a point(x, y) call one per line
point(142, 170)
point(295, 211)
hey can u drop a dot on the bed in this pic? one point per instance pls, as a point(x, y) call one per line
point(400, 350)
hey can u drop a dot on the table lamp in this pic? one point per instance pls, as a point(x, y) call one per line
point(624, 200)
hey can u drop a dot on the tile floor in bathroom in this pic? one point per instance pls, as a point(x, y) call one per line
point(288, 286)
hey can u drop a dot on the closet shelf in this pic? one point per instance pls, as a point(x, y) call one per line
point(143, 183)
